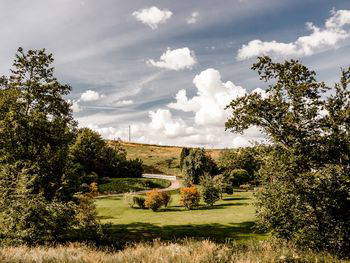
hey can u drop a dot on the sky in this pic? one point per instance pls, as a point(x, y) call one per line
point(168, 68)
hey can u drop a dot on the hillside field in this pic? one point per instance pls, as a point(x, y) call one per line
point(154, 157)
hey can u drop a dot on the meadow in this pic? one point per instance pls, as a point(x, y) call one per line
point(155, 157)
point(232, 218)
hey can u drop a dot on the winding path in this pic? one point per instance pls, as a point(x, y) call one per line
point(175, 184)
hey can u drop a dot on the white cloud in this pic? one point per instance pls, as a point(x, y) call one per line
point(75, 106)
point(318, 40)
point(212, 97)
point(124, 102)
point(163, 121)
point(90, 95)
point(176, 59)
point(193, 18)
point(152, 16)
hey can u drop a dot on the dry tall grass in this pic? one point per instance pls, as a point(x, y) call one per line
point(184, 252)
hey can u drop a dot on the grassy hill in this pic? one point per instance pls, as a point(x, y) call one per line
point(154, 157)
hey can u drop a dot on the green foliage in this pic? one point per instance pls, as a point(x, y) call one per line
point(247, 158)
point(139, 201)
point(133, 168)
point(35, 121)
point(30, 218)
point(238, 176)
point(166, 197)
point(92, 155)
point(210, 190)
point(305, 194)
point(314, 207)
point(36, 128)
point(184, 153)
point(196, 164)
point(190, 197)
point(124, 185)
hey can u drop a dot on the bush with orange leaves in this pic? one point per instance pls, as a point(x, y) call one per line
point(154, 200)
point(190, 197)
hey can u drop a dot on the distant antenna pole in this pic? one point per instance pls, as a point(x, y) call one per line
point(129, 134)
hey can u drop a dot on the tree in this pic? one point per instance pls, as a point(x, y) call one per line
point(87, 151)
point(196, 164)
point(92, 154)
point(184, 153)
point(306, 176)
point(210, 190)
point(247, 158)
point(36, 128)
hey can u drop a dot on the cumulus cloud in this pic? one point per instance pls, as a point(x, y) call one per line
point(176, 59)
point(90, 95)
point(212, 97)
point(193, 18)
point(204, 126)
point(319, 39)
point(75, 107)
point(152, 16)
point(163, 121)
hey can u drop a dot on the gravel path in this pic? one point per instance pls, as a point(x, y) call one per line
point(175, 184)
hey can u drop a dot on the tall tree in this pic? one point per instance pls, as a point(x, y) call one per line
point(36, 128)
point(306, 188)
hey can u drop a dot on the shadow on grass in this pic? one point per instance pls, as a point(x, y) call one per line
point(235, 198)
point(140, 231)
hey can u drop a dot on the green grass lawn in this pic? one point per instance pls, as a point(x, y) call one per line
point(231, 218)
point(124, 185)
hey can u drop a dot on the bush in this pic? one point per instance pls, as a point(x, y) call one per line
point(134, 168)
point(312, 209)
point(166, 198)
point(238, 177)
point(189, 197)
point(139, 201)
point(210, 190)
point(106, 180)
point(154, 200)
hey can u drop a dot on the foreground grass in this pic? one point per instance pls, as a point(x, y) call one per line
point(230, 218)
point(154, 157)
point(124, 185)
point(186, 252)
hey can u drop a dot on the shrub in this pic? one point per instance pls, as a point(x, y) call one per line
point(154, 200)
point(238, 177)
point(166, 198)
point(134, 168)
point(139, 201)
point(210, 190)
point(106, 180)
point(311, 209)
point(189, 197)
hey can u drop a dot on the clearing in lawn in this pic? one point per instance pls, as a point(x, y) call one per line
point(230, 218)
